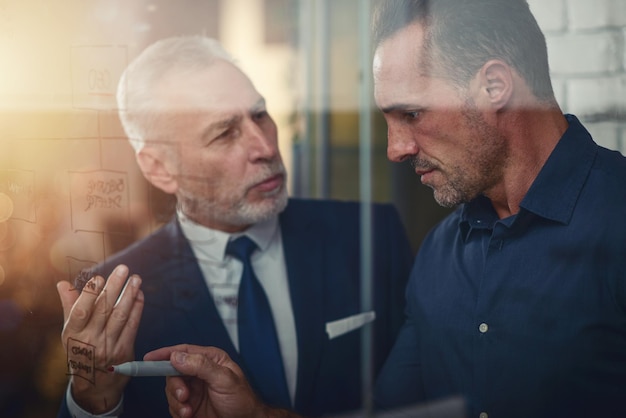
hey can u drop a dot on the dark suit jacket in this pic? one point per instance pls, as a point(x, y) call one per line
point(321, 241)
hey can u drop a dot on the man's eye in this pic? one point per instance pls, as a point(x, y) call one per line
point(412, 115)
point(260, 114)
point(225, 134)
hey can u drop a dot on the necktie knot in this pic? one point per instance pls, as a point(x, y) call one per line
point(241, 248)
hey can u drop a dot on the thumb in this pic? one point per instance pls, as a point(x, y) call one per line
point(198, 365)
point(68, 295)
point(209, 364)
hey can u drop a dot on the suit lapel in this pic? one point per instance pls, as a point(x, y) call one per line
point(303, 245)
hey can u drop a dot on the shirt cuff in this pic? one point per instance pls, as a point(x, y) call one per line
point(78, 412)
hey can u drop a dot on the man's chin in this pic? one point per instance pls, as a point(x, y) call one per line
point(263, 209)
point(445, 199)
point(276, 203)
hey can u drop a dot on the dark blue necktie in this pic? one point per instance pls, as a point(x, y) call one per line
point(258, 341)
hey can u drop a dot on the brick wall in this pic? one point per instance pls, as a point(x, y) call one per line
point(587, 51)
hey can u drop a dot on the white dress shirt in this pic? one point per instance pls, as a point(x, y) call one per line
point(222, 274)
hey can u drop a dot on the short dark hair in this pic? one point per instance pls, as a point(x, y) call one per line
point(462, 35)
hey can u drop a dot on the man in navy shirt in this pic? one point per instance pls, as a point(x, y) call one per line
point(516, 301)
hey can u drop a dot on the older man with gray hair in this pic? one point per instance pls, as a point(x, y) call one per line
point(275, 282)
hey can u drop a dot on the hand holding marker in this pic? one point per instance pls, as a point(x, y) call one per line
point(145, 368)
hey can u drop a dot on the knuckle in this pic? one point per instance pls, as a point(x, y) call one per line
point(79, 313)
point(132, 323)
point(120, 315)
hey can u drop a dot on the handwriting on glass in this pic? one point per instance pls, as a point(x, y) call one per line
point(105, 194)
point(81, 360)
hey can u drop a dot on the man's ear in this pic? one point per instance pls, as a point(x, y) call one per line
point(155, 171)
point(494, 82)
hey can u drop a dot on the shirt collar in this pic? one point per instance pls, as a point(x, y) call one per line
point(477, 214)
point(554, 192)
point(212, 242)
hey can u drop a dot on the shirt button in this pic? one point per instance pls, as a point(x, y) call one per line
point(483, 328)
point(483, 415)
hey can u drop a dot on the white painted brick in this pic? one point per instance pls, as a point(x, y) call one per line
point(594, 96)
point(589, 53)
point(590, 14)
point(550, 14)
point(606, 134)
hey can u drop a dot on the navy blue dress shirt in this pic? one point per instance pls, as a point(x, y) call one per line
point(524, 316)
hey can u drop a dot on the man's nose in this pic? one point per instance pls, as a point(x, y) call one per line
point(263, 142)
point(400, 145)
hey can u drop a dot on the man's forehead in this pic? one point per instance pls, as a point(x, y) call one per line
point(394, 68)
point(212, 115)
point(231, 111)
point(401, 49)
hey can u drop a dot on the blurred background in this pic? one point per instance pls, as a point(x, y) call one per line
point(70, 191)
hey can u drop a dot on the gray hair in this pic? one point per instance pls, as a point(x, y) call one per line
point(135, 101)
point(462, 35)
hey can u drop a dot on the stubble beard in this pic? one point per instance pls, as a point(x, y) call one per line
point(478, 172)
point(236, 210)
point(453, 191)
point(244, 213)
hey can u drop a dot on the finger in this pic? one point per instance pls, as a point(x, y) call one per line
point(202, 365)
point(164, 352)
point(177, 394)
point(81, 311)
point(126, 314)
point(129, 331)
point(184, 411)
point(216, 355)
point(109, 295)
point(176, 389)
point(68, 295)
